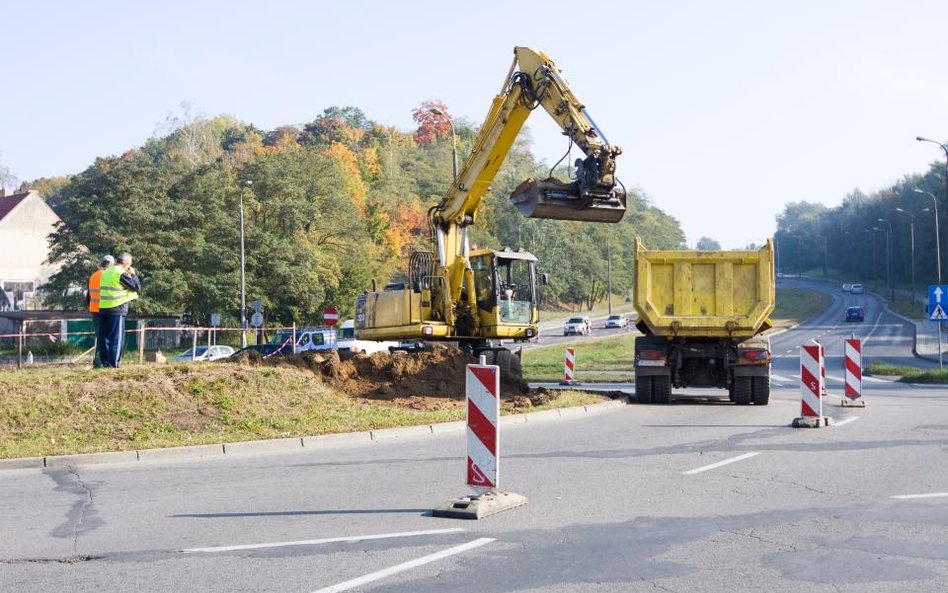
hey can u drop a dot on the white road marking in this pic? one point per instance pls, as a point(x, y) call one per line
point(931, 495)
point(385, 572)
point(328, 540)
point(720, 463)
point(846, 421)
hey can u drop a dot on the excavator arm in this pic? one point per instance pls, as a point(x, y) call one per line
point(534, 81)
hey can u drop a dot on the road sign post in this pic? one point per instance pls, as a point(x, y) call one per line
point(938, 312)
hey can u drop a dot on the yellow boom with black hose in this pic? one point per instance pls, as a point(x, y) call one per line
point(481, 296)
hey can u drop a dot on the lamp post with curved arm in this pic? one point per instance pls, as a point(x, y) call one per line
point(454, 139)
point(937, 238)
point(911, 216)
point(944, 148)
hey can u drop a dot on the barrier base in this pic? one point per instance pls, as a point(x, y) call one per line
point(570, 382)
point(811, 422)
point(480, 506)
point(853, 403)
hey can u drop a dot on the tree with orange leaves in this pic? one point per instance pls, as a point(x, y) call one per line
point(431, 127)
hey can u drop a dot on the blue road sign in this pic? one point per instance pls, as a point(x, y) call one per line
point(938, 302)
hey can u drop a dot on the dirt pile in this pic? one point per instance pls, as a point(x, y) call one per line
point(439, 373)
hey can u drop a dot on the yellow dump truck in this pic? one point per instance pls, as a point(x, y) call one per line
point(701, 314)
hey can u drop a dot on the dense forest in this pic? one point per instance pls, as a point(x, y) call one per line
point(887, 237)
point(328, 207)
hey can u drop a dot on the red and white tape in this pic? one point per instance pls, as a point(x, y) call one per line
point(483, 438)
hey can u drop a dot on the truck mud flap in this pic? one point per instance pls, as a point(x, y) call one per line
point(555, 200)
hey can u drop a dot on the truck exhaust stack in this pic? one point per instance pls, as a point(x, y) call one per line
point(556, 200)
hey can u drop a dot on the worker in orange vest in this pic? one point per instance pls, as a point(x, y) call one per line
point(93, 299)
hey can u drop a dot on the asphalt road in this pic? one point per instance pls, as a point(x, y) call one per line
point(700, 495)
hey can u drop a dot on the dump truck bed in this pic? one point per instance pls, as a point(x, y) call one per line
point(704, 293)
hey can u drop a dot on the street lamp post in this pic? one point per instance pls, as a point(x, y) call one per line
point(937, 238)
point(888, 258)
point(454, 139)
point(944, 147)
point(243, 286)
point(912, 234)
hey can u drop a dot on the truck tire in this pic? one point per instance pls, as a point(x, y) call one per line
point(761, 391)
point(661, 389)
point(743, 394)
point(643, 389)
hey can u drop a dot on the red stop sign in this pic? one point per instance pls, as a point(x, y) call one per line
point(330, 316)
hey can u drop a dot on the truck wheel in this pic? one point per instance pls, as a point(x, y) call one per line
point(742, 391)
point(643, 389)
point(661, 389)
point(761, 391)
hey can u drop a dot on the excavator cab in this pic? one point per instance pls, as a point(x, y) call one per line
point(506, 294)
point(593, 197)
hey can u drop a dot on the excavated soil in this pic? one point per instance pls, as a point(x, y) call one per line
point(423, 380)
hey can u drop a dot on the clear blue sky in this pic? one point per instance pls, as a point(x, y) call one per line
point(726, 110)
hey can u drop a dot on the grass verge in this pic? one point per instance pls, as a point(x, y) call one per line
point(58, 411)
point(796, 305)
point(908, 374)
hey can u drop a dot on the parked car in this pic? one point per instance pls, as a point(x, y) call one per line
point(847, 287)
point(203, 353)
point(856, 289)
point(581, 326)
point(619, 321)
point(855, 314)
point(267, 350)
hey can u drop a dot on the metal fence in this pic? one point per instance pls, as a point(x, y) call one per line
point(56, 342)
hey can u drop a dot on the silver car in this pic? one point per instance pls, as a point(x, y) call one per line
point(203, 353)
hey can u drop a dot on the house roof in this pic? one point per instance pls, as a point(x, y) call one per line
point(8, 203)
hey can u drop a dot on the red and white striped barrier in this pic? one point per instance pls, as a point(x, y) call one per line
point(852, 361)
point(483, 447)
point(569, 367)
point(812, 386)
point(483, 412)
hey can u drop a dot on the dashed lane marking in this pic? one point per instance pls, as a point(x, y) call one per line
point(328, 540)
point(914, 496)
point(721, 463)
point(386, 572)
point(846, 421)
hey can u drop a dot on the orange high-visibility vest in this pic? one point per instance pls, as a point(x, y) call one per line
point(95, 293)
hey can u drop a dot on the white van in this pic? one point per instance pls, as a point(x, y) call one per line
point(308, 338)
point(347, 341)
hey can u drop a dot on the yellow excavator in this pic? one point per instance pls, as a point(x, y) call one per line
point(479, 297)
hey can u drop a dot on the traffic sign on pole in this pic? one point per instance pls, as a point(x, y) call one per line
point(330, 316)
point(938, 302)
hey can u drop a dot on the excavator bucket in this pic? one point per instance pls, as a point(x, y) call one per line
point(556, 200)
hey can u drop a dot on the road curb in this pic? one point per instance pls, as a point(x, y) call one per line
point(246, 448)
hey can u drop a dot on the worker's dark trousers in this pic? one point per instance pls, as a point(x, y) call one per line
point(113, 338)
point(97, 328)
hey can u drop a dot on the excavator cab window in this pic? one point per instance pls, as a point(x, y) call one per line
point(516, 289)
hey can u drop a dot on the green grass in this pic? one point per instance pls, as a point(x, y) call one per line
point(597, 359)
point(796, 305)
point(908, 374)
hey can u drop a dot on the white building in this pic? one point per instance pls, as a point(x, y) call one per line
point(26, 222)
